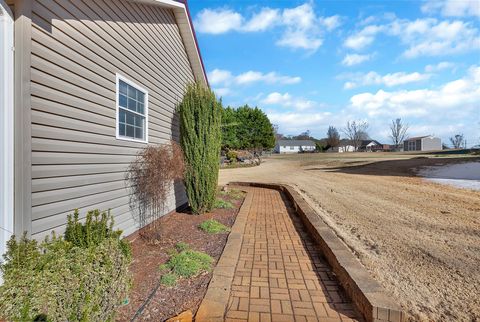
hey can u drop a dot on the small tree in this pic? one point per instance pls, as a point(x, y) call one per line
point(333, 138)
point(201, 138)
point(457, 141)
point(356, 131)
point(398, 133)
point(151, 177)
point(254, 129)
point(229, 129)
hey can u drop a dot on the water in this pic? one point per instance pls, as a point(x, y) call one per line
point(462, 175)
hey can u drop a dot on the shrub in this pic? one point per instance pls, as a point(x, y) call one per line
point(222, 204)
point(212, 226)
point(200, 129)
point(82, 277)
point(150, 177)
point(185, 263)
point(97, 228)
point(232, 156)
point(233, 193)
point(168, 279)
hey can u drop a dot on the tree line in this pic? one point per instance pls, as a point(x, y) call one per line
point(246, 128)
point(355, 132)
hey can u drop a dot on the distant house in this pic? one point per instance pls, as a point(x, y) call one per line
point(370, 146)
point(294, 146)
point(343, 146)
point(373, 146)
point(422, 143)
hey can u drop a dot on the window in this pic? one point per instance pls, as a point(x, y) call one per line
point(292, 148)
point(132, 111)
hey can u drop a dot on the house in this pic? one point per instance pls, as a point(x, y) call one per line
point(373, 146)
point(370, 146)
point(294, 146)
point(88, 84)
point(343, 146)
point(422, 143)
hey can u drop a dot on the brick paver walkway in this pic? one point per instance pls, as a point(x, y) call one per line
point(280, 274)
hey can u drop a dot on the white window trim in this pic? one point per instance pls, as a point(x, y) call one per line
point(6, 127)
point(117, 93)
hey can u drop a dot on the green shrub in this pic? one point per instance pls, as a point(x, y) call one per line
point(186, 263)
point(168, 279)
point(232, 156)
point(200, 138)
point(212, 226)
point(98, 227)
point(222, 204)
point(180, 246)
point(82, 277)
point(233, 193)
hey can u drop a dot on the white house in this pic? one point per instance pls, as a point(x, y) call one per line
point(294, 146)
point(422, 143)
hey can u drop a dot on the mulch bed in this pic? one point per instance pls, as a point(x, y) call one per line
point(146, 304)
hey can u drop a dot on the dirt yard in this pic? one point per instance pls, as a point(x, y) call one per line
point(420, 240)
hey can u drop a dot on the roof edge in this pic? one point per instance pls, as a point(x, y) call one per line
point(189, 37)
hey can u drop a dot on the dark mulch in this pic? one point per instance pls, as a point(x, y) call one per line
point(187, 294)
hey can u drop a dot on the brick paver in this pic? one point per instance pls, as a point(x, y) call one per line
point(280, 274)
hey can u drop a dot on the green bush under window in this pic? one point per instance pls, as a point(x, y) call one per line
point(63, 279)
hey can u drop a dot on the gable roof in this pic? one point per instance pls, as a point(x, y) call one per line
point(366, 142)
point(418, 137)
point(296, 143)
point(187, 31)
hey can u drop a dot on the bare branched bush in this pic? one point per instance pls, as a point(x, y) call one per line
point(151, 177)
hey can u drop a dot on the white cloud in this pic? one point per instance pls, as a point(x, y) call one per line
point(296, 122)
point(422, 37)
point(287, 100)
point(302, 28)
point(430, 37)
point(355, 59)
point(453, 8)
point(461, 96)
point(389, 80)
point(219, 76)
point(331, 23)
point(269, 78)
point(263, 20)
point(439, 67)
point(222, 91)
point(218, 21)
point(363, 38)
point(226, 78)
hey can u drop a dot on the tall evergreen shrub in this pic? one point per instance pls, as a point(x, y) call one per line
point(200, 138)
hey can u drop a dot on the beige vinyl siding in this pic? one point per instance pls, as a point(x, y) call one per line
point(77, 49)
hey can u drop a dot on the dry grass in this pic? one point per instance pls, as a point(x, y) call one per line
point(420, 240)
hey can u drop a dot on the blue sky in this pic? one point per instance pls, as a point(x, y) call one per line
point(311, 64)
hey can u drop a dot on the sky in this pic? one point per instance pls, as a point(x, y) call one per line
point(311, 64)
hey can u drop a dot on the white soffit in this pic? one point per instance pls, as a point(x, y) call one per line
point(186, 31)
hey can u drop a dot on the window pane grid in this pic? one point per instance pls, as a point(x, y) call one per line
point(131, 98)
point(131, 112)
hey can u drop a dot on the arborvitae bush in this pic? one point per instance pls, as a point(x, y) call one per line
point(200, 128)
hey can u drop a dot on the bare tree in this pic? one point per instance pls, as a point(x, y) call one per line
point(278, 136)
point(398, 133)
point(457, 141)
point(356, 131)
point(333, 138)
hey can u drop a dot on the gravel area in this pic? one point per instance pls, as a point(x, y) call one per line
point(419, 239)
